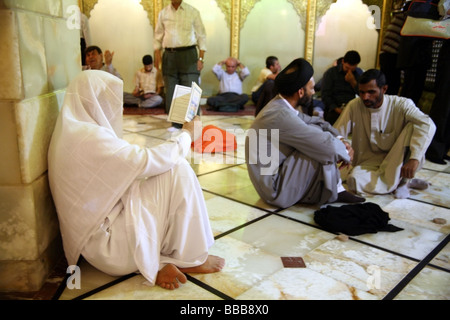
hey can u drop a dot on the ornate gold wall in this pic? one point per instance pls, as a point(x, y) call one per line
point(236, 12)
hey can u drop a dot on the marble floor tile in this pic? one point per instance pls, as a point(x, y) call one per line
point(142, 123)
point(225, 214)
point(360, 266)
point(442, 259)
point(233, 183)
point(90, 279)
point(303, 284)
point(245, 267)
point(136, 288)
point(429, 284)
point(282, 237)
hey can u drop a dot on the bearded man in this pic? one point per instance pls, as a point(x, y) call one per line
point(390, 136)
point(292, 157)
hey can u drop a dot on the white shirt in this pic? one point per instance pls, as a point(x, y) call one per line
point(179, 28)
point(230, 82)
point(146, 81)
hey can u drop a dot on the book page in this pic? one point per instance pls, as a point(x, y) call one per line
point(194, 102)
point(180, 102)
point(185, 103)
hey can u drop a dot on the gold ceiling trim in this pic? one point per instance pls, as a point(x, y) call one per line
point(148, 6)
point(86, 6)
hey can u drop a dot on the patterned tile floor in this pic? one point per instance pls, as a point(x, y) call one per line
point(253, 236)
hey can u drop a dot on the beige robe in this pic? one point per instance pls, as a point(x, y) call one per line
point(124, 207)
point(383, 139)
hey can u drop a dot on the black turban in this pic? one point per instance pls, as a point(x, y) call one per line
point(294, 77)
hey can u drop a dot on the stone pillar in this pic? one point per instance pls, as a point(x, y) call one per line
point(39, 55)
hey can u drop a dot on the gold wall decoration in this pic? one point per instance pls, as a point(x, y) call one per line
point(245, 7)
point(301, 7)
point(86, 6)
point(148, 6)
point(225, 7)
point(310, 30)
point(236, 12)
point(235, 28)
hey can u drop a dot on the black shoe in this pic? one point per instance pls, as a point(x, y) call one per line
point(348, 197)
point(446, 157)
point(438, 161)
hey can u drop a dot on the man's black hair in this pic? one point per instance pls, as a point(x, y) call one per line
point(373, 74)
point(270, 61)
point(92, 48)
point(352, 57)
point(147, 59)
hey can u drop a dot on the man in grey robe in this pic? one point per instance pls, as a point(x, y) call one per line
point(390, 136)
point(290, 156)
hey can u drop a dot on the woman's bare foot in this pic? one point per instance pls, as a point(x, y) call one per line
point(169, 276)
point(211, 265)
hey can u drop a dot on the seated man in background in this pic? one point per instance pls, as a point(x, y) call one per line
point(340, 85)
point(148, 84)
point(263, 91)
point(230, 97)
point(390, 136)
point(94, 60)
point(292, 157)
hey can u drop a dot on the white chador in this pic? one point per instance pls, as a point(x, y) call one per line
point(380, 138)
point(125, 208)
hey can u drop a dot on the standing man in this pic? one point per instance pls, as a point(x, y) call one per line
point(390, 136)
point(290, 156)
point(178, 33)
point(340, 85)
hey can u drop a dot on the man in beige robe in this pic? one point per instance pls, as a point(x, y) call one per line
point(389, 137)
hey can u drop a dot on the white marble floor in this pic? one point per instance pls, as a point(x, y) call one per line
point(253, 236)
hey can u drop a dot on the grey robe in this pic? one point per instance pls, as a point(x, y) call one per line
point(291, 157)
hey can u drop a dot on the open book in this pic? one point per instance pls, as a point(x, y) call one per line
point(185, 103)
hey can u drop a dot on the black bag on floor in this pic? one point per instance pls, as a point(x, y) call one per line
point(354, 219)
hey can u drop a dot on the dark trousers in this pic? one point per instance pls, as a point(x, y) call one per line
point(179, 67)
point(228, 99)
point(414, 58)
point(440, 109)
point(388, 65)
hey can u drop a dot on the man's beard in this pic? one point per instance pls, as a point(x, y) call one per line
point(373, 103)
point(304, 101)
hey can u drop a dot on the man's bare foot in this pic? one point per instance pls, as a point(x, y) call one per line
point(211, 265)
point(169, 276)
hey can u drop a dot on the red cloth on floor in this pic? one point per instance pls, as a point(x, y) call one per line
point(214, 139)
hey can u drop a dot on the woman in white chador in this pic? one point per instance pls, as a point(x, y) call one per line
point(123, 207)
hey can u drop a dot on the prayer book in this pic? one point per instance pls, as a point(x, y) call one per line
point(185, 103)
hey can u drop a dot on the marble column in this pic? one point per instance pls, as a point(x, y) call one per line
point(39, 55)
